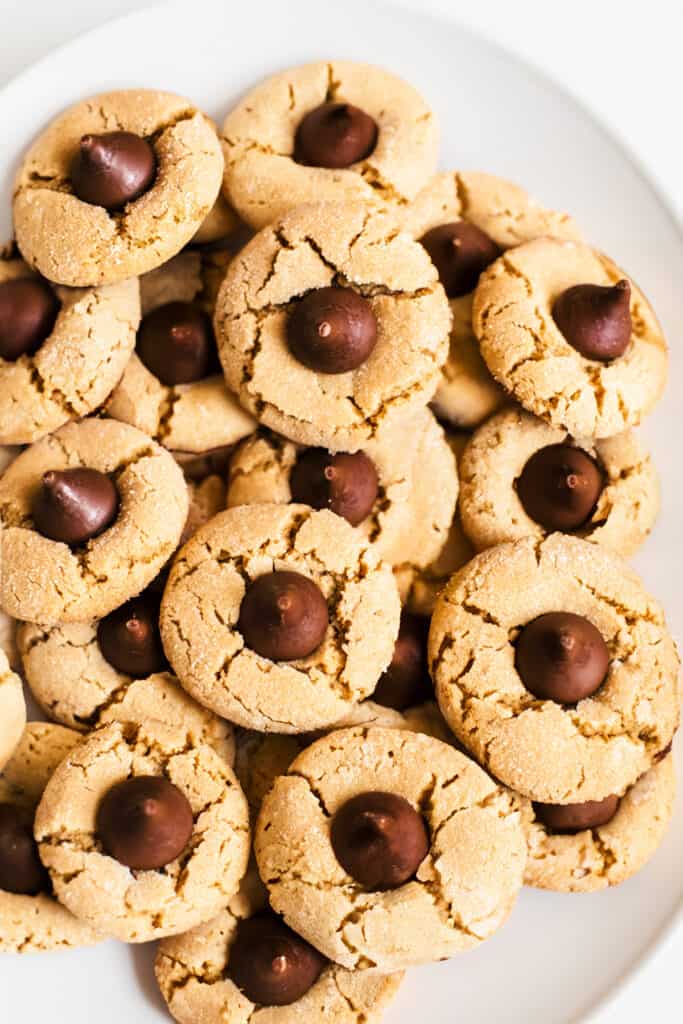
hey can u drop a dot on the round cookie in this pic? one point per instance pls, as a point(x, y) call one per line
point(417, 485)
point(194, 975)
point(529, 355)
point(74, 684)
point(265, 176)
point(194, 416)
point(203, 618)
point(463, 888)
point(508, 216)
point(78, 361)
point(550, 751)
point(492, 511)
point(37, 923)
point(47, 581)
point(77, 243)
point(324, 246)
point(419, 588)
point(140, 905)
point(12, 710)
point(595, 858)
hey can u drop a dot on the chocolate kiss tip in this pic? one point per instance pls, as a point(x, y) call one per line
point(623, 285)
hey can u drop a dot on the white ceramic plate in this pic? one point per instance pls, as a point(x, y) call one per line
point(558, 956)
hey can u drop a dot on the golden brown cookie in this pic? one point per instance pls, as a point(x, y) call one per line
point(76, 364)
point(47, 581)
point(350, 246)
point(139, 905)
point(508, 216)
point(203, 623)
point(455, 899)
point(529, 355)
point(265, 176)
point(37, 923)
point(74, 684)
point(562, 750)
point(416, 485)
point(194, 416)
point(625, 485)
point(595, 858)
point(193, 972)
point(77, 243)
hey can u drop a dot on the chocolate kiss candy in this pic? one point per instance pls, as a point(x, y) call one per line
point(335, 135)
point(283, 616)
point(577, 817)
point(346, 484)
point(271, 964)
point(112, 169)
point(596, 320)
point(144, 822)
point(176, 343)
point(332, 330)
point(460, 252)
point(406, 682)
point(379, 839)
point(129, 637)
point(74, 505)
point(28, 310)
point(559, 487)
point(561, 657)
point(20, 868)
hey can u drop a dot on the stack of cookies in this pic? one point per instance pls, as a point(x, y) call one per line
point(317, 470)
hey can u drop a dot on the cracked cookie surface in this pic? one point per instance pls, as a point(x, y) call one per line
point(600, 857)
point(45, 581)
point(36, 924)
point(263, 180)
point(79, 244)
point(192, 971)
point(76, 366)
point(136, 906)
point(419, 587)
point(465, 887)
point(526, 352)
point(492, 512)
point(201, 607)
point(506, 213)
point(261, 757)
point(316, 246)
point(417, 478)
point(74, 684)
point(550, 752)
point(12, 709)
point(190, 417)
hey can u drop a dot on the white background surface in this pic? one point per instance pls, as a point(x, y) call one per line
point(627, 69)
